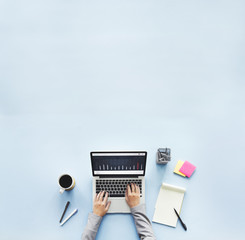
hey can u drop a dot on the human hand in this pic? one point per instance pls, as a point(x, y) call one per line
point(101, 205)
point(132, 195)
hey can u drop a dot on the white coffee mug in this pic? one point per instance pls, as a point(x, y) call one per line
point(66, 183)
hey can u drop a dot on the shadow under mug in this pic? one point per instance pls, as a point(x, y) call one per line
point(66, 183)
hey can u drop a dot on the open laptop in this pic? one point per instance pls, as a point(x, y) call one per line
point(113, 171)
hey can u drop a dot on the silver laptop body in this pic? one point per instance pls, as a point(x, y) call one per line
point(113, 171)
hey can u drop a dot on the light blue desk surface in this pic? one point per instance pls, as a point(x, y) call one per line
point(77, 76)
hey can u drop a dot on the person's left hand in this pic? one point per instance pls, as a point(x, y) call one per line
point(101, 206)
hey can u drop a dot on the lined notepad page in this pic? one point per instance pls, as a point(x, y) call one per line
point(169, 197)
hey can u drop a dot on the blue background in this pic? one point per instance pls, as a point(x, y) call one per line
point(77, 76)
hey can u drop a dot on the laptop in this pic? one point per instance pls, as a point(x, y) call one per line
point(113, 171)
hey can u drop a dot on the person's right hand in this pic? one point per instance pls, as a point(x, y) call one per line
point(132, 195)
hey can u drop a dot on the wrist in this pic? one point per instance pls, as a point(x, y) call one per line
point(100, 214)
point(138, 208)
point(134, 205)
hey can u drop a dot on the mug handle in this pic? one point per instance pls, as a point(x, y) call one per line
point(62, 190)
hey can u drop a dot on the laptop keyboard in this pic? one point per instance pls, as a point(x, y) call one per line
point(116, 187)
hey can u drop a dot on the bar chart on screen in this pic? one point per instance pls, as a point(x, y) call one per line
point(120, 164)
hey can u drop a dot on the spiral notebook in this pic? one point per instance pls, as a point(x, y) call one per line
point(169, 197)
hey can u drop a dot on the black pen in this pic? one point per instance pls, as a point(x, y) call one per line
point(67, 204)
point(183, 225)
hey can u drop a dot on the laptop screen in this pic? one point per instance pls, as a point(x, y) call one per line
point(118, 163)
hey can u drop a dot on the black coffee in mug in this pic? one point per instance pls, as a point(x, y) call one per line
point(66, 183)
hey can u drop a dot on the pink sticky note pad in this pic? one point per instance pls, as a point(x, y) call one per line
point(187, 168)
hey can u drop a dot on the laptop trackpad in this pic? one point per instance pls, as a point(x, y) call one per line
point(118, 206)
